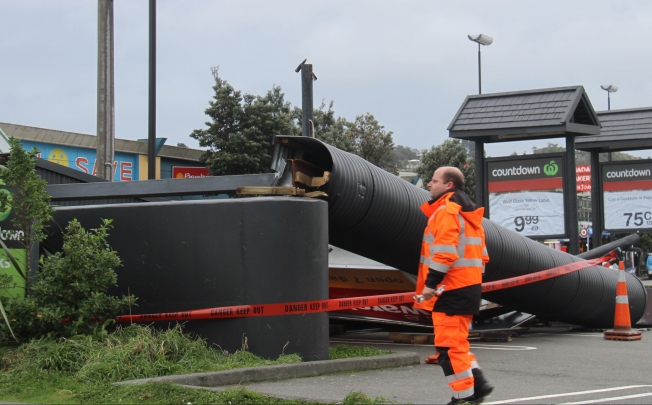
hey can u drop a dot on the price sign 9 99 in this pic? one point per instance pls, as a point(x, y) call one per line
point(521, 222)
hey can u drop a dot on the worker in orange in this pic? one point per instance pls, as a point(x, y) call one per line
point(453, 256)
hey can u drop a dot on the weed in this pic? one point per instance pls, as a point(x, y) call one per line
point(345, 352)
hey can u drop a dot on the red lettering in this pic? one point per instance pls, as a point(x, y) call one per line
point(95, 168)
point(80, 163)
point(125, 171)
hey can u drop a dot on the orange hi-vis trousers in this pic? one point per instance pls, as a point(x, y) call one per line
point(451, 333)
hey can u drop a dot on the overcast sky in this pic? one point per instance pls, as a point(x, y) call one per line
point(409, 63)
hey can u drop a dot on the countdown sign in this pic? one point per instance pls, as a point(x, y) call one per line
point(526, 195)
point(627, 195)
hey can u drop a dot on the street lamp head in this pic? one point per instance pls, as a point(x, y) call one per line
point(481, 39)
point(610, 88)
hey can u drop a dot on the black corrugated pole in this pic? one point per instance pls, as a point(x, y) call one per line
point(307, 77)
point(151, 137)
point(570, 195)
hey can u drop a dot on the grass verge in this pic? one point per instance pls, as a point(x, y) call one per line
point(81, 369)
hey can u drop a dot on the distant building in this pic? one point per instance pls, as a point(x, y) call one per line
point(78, 151)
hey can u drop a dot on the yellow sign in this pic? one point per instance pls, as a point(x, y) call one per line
point(58, 156)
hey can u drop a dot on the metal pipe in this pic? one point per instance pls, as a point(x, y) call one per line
point(151, 134)
point(306, 100)
point(479, 71)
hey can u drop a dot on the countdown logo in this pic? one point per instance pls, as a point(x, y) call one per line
point(516, 171)
point(628, 173)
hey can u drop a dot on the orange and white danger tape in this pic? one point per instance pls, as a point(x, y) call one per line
point(311, 307)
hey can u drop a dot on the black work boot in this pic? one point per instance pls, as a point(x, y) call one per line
point(481, 386)
point(463, 401)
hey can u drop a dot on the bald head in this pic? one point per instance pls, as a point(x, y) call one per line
point(445, 179)
point(453, 175)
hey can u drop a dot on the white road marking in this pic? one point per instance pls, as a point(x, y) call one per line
point(509, 401)
point(594, 401)
point(501, 347)
point(473, 346)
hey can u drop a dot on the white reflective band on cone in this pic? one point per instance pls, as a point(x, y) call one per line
point(622, 299)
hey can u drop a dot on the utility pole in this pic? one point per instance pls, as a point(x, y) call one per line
point(105, 91)
point(151, 134)
point(307, 119)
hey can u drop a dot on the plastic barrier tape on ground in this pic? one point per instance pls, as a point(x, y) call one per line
point(310, 307)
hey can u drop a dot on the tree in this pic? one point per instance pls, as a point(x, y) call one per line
point(240, 137)
point(328, 128)
point(30, 202)
point(582, 157)
point(372, 143)
point(402, 154)
point(449, 153)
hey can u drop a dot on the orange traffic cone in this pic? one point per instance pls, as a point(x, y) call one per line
point(622, 325)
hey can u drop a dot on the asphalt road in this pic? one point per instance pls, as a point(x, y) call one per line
point(543, 366)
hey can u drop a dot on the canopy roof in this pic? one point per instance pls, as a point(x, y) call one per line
point(525, 115)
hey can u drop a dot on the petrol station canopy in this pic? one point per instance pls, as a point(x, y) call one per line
point(629, 129)
point(520, 115)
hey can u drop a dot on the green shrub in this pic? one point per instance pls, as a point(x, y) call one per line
point(71, 285)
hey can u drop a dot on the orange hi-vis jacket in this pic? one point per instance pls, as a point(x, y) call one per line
point(454, 248)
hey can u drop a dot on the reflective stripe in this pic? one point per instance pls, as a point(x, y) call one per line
point(472, 240)
point(463, 375)
point(621, 276)
point(428, 238)
point(484, 251)
point(463, 394)
point(465, 240)
point(482, 269)
point(442, 268)
point(438, 266)
point(467, 263)
point(622, 299)
point(474, 364)
point(444, 248)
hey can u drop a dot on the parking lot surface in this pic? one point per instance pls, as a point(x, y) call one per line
point(542, 366)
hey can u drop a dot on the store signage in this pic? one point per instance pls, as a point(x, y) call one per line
point(125, 165)
point(583, 178)
point(627, 195)
point(526, 195)
point(188, 172)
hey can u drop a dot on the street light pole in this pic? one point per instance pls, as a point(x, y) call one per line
point(609, 88)
point(478, 146)
point(479, 71)
point(481, 40)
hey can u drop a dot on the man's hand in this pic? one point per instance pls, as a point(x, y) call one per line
point(428, 293)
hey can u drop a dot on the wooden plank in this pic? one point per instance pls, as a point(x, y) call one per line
point(411, 338)
point(255, 190)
